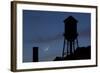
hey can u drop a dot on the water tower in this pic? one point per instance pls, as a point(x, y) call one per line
point(70, 36)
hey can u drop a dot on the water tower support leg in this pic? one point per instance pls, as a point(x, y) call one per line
point(63, 48)
point(70, 47)
point(77, 43)
point(67, 47)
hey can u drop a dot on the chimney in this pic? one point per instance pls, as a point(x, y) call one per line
point(35, 54)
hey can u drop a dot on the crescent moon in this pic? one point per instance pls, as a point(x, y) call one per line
point(46, 49)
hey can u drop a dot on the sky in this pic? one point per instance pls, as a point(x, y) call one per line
point(44, 29)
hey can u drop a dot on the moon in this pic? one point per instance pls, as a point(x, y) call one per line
point(46, 49)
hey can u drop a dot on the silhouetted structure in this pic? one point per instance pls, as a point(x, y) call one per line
point(79, 54)
point(35, 54)
point(70, 35)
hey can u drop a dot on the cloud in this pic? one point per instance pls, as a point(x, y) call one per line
point(40, 39)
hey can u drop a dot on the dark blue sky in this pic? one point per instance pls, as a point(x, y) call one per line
point(45, 29)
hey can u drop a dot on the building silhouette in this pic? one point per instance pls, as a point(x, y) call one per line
point(81, 53)
point(35, 54)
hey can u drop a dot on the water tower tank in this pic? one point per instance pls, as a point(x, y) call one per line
point(70, 28)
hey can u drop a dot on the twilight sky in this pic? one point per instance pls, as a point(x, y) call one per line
point(44, 29)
